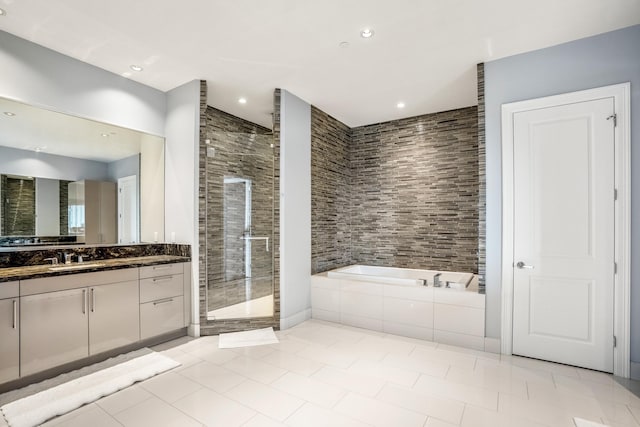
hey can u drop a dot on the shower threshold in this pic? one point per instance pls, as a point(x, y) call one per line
point(259, 307)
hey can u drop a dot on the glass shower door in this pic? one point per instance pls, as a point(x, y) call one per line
point(240, 228)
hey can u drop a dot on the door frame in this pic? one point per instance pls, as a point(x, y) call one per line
point(622, 141)
point(119, 185)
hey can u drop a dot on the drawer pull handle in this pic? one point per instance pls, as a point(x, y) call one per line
point(163, 279)
point(84, 301)
point(163, 301)
point(15, 314)
point(93, 300)
point(161, 267)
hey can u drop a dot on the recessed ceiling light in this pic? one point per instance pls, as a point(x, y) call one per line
point(2, 12)
point(9, 113)
point(366, 33)
point(242, 100)
point(344, 44)
point(136, 68)
point(400, 105)
point(104, 135)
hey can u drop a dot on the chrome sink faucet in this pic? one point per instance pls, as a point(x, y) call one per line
point(54, 260)
point(67, 257)
point(436, 280)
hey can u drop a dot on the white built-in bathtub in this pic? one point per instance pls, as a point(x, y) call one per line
point(401, 276)
point(397, 301)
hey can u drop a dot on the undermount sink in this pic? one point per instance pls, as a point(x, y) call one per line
point(76, 266)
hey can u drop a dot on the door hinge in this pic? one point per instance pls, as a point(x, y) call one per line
point(615, 268)
point(615, 341)
point(615, 194)
point(615, 119)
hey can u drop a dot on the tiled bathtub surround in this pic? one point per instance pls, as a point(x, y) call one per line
point(330, 192)
point(409, 192)
point(482, 182)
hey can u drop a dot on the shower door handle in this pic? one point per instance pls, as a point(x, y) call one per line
point(266, 239)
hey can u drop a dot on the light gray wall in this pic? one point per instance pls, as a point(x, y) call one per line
point(601, 60)
point(39, 76)
point(124, 167)
point(182, 139)
point(182, 133)
point(295, 210)
point(43, 165)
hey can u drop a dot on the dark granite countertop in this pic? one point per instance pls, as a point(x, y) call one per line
point(35, 271)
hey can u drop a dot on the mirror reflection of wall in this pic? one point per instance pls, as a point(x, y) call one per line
point(42, 152)
point(18, 205)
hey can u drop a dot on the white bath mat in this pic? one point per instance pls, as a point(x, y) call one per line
point(40, 407)
point(579, 422)
point(248, 338)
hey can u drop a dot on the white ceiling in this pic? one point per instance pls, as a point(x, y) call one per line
point(423, 53)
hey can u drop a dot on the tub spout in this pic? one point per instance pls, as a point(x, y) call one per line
point(436, 280)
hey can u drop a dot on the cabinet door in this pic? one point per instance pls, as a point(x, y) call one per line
point(54, 329)
point(9, 340)
point(159, 317)
point(114, 316)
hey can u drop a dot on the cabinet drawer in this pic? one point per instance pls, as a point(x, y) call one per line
point(9, 290)
point(75, 281)
point(155, 288)
point(161, 270)
point(161, 316)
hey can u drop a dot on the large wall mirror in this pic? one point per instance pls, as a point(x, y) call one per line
point(70, 180)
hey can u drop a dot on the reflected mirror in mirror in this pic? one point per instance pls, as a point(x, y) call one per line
point(69, 180)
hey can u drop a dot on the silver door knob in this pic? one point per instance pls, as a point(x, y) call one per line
point(521, 264)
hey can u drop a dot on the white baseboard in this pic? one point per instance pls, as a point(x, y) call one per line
point(492, 345)
point(193, 330)
point(635, 371)
point(291, 321)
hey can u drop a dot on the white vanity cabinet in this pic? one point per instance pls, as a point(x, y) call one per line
point(54, 329)
point(162, 299)
point(70, 317)
point(9, 331)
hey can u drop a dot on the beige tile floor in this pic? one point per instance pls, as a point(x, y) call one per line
point(323, 374)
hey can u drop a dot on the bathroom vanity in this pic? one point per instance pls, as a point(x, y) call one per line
point(59, 316)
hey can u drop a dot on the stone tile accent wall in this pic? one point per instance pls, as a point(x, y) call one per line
point(233, 228)
point(330, 193)
point(202, 209)
point(64, 207)
point(482, 183)
point(415, 192)
point(18, 207)
point(403, 193)
point(235, 141)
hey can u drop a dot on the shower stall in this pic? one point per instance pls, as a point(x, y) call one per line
point(240, 222)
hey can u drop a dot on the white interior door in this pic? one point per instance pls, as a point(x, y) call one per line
point(563, 295)
point(128, 210)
